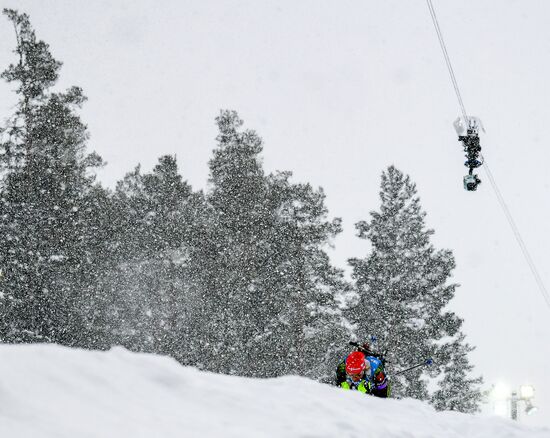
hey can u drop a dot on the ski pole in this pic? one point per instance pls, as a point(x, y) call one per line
point(427, 362)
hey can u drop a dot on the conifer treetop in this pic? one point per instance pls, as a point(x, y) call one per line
point(36, 69)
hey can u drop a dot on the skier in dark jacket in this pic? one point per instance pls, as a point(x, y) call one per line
point(363, 370)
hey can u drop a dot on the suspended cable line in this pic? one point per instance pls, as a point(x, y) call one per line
point(517, 234)
point(447, 59)
point(498, 194)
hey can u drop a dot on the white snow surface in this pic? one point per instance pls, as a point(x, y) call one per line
point(47, 391)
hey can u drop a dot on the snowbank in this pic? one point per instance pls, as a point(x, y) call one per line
point(49, 391)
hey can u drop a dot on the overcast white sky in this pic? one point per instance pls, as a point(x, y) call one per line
point(338, 91)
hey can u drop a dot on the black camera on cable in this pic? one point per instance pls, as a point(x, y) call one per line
point(471, 182)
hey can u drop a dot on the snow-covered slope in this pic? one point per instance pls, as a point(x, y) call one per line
point(49, 391)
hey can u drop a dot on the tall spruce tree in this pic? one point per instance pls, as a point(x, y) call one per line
point(238, 225)
point(48, 197)
point(306, 334)
point(268, 285)
point(403, 290)
point(152, 276)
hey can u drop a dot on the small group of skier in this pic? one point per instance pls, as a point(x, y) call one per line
point(363, 370)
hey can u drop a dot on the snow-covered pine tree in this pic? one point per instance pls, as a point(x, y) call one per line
point(47, 200)
point(268, 285)
point(403, 287)
point(237, 227)
point(457, 391)
point(151, 276)
point(307, 335)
